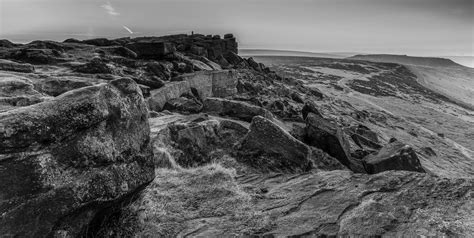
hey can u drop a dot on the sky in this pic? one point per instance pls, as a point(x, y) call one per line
point(413, 27)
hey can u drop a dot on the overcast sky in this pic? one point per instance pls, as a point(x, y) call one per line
point(415, 27)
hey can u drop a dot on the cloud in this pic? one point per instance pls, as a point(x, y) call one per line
point(110, 9)
point(128, 29)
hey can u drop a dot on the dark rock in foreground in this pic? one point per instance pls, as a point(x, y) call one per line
point(63, 160)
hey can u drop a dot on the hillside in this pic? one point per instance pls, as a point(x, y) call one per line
point(261, 52)
point(441, 75)
point(409, 60)
point(179, 136)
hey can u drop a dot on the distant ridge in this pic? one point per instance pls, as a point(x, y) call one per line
point(410, 60)
point(266, 52)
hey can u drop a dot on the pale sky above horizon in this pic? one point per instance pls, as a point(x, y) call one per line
point(414, 27)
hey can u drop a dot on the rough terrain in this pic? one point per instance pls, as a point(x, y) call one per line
point(180, 136)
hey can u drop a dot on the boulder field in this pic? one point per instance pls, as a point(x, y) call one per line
point(179, 136)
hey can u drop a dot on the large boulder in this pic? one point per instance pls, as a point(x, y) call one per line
point(269, 147)
point(62, 161)
point(394, 156)
point(8, 65)
point(327, 136)
point(236, 109)
point(151, 49)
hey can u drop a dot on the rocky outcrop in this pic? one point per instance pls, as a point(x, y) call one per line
point(151, 49)
point(394, 156)
point(8, 65)
point(206, 84)
point(269, 147)
point(330, 138)
point(64, 160)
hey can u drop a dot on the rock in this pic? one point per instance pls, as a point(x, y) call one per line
point(322, 204)
point(394, 156)
point(152, 82)
point(151, 50)
point(37, 56)
point(63, 161)
point(228, 36)
point(197, 50)
point(197, 141)
point(145, 90)
point(206, 83)
point(16, 91)
point(72, 40)
point(198, 65)
point(8, 65)
point(184, 104)
point(95, 66)
point(54, 86)
point(254, 64)
point(269, 147)
point(310, 107)
point(6, 43)
point(159, 70)
point(328, 137)
point(429, 151)
point(100, 42)
point(364, 137)
point(120, 51)
point(297, 97)
point(233, 58)
point(236, 109)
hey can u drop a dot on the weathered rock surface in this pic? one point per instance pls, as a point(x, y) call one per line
point(328, 137)
point(267, 146)
point(95, 66)
point(205, 83)
point(63, 160)
point(214, 202)
point(236, 109)
point(393, 156)
point(151, 49)
point(8, 65)
point(185, 104)
point(55, 86)
point(17, 91)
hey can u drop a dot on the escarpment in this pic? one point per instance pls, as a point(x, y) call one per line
point(179, 136)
